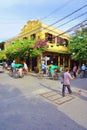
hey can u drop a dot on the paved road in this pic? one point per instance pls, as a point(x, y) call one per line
point(22, 107)
point(80, 83)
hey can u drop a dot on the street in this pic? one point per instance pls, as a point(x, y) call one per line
point(25, 104)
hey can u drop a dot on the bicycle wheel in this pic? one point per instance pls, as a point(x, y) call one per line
point(10, 73)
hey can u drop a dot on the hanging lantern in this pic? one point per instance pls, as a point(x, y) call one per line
point(71, 41)
point(22, 42)
point(3, 42)
point(51, 45)
point(13, 42)
point(64, 43)
point(80, 37)
point(73, 53)
point(57, 44)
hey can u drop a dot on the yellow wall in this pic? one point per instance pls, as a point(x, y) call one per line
point(40, 29)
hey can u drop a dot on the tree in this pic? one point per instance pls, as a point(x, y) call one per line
point(78, 45)
point(25, 48)
point(2, 55)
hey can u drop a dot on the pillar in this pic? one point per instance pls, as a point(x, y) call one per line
point(30, 64)
point(64, 62)
point(38, 61)
point(69, 62)
point(59, 60)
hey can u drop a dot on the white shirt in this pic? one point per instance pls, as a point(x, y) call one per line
point(25, 66)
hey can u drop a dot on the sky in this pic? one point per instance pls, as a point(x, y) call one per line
point(14, 14)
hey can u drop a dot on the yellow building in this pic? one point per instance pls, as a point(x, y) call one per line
point(57, 41)
point(57, 51)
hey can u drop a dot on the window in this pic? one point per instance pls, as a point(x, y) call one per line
point(25, 38)
point(61, 41)
point(48, 37)
point(33, 36)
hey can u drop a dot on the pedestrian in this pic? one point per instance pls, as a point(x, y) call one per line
point(52, 69)
point(66, 81)
point(13, 66)
point(83, 68)
point(25, 68)
point(43, 67)
point(61, 68)
point(74, 70)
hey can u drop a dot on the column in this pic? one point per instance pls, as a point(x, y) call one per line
point(58, 60)
point(30, 64)
point(38, 61)
point(69, 62)
point(64, 62)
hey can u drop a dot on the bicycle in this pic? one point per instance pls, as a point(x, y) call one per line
point(16, 74)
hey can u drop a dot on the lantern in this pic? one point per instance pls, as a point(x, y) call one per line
point(80, 37)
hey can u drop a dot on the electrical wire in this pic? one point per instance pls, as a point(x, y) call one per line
point(68, 21)
point(82, 26)
point(74, 27)
point(72, 19)
point(60, 19)
point(68, 15)
point(70, 29)
point(57, 9)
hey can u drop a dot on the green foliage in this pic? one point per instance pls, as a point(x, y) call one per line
point(78, 45)
point(2, 55)
point(25, 48)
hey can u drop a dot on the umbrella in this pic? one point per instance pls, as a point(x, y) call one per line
point(52, 67)
point(18, 65)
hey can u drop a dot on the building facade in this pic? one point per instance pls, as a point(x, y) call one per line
point(57, 41)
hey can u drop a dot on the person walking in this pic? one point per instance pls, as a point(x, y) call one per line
point(43, 67)
point(25, 68)
point(61, 68)
point(66, 81)
point(13, 66)
point(74, 70)
point(83, 68)
point(52, 69)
